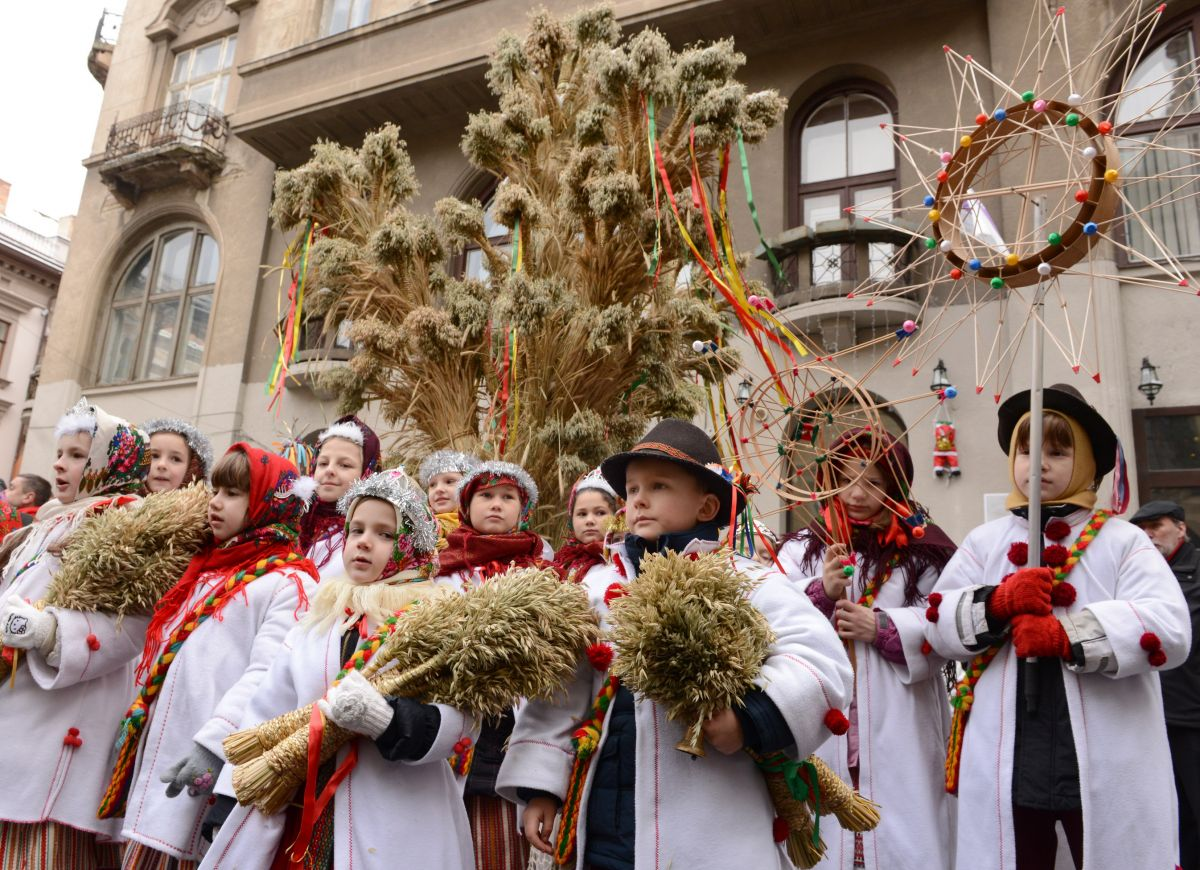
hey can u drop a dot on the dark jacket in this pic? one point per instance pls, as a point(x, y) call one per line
point(1181, 685)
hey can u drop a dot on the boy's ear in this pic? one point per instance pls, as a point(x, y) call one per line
point(709, 508)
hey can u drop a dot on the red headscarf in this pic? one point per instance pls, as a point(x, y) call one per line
point(270, 530)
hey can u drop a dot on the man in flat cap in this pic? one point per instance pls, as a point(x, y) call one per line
point(1164, 522)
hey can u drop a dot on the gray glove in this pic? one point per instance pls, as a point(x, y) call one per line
point(357, 706)
point(23, 626)
point(197, 772)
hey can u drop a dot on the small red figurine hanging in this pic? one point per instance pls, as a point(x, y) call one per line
point(945, 453)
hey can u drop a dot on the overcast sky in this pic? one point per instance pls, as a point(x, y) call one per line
point(49, 103)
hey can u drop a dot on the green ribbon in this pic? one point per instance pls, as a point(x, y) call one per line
point(793, 774)
point(754, 210)
point(652, 128)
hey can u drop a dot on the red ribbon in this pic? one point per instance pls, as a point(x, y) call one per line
point(315, 804)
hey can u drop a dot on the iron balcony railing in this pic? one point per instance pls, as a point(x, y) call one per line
point(186, 124)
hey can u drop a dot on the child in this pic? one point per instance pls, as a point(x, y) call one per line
point(439, 474)
point(712, 812)
point(408, 814)
point(1101, 619)
point(347, 451)
point(591, 507)
point(211, 639)
point(72, 669)
point(180, 454)
point(872, 584)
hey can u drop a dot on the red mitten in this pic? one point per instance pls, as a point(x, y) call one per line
point(1026, 591)
point(1040, 637)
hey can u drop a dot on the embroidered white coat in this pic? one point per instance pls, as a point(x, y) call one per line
point(387, 814)
point(203, 699)
point(903, 722)
point(46, 777)
point(1125, 775)
point(329, 549)
point(708, 813)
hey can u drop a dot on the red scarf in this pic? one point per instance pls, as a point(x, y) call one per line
point(270, 530)
point(467, 549)
point(575, 556)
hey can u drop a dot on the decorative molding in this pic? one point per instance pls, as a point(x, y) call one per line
point(239, 6)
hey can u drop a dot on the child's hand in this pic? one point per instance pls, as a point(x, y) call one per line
point(724, 732)
point(538, 822)
point(834, 578)
point(855, 622)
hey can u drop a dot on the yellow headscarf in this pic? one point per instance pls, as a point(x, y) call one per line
point(447, 523)
point(1080, 491)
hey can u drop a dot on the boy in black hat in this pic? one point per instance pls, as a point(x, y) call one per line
point(642, 804)
point(1101, 619)
point(1165, 523)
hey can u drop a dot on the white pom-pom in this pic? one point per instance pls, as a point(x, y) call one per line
point(346, 430)
point(698, 346)
point(304, 488)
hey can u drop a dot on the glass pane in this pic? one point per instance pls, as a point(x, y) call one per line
point(874, 201)
point(137, 276)
point(230, 48)
point(208, 60)
point(173, 262)
point(823, 143)
point(827, 264)
point(491, 228)
point(1161, 188)
point(3, 331)
point(476, 266)
point(826, 207)
point(121, 344)
point(342, 338)
point(337, 16)
point(218, 100)
point(179, 73)
point(203, 94)
point(207, 262)
point(361, 12)
point(1163, 84)
point(871, 148)
point(879, 258)
point(190, 353)
point(159, 341)
point(1173, 443)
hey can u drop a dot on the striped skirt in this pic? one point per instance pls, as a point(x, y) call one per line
point(141, 857)
point(51, 846)
point(495, 834)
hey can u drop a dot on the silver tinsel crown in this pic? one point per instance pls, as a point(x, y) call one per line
point(416, 521)
point(196, 440)
point(442, 461)
point(81, 418)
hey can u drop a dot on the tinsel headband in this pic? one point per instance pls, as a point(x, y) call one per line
point(347, 430)
point(416, 528)
point(443, 461)
point(592, 480)
point(196, 440)
point(495, 473)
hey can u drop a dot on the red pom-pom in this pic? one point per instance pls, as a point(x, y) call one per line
point(780, 829)
point(1057, 529)
point(1018, 553)
point(1150, 642)
point(918, 532)
point(1158, 658)
point(93, 642)
point(74, 732)
point(600, 655)
point(935, 598)
point(931, 613)
point(616, 590)
point(1062, 595)
point(836, 721)
point(926, 649)
point(1055, 556)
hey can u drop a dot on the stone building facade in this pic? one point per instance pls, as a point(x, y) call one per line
point(167, 307)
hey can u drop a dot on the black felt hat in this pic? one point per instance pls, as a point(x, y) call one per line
point(1069, 401)
point(686, 445)
point(1152, 510)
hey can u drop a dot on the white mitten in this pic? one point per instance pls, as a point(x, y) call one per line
point(357, 706)
point(23, 626)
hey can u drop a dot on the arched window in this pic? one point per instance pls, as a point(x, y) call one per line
point(158, 320)
point(841, 158)
point(1162, 104)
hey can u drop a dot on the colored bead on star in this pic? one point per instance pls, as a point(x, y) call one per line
point(1090, 228)
point(1000, 114)
point(997, 283)
point(928, 201)
point(1072, 119)
point(1111, 175)
point(974, 265)
point(931, 243)
point(1104, 127)
point(1081, 196)
point(1027, 97)
point(1054, 239)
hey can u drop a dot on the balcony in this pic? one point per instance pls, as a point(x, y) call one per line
point(100, 57)
point(823, 264)
point(184, 142)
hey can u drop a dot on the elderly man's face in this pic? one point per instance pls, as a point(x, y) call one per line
point(1166, 533)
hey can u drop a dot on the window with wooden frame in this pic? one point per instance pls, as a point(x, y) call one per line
point(201, 74)
point(338, 16)
point(1167, 444)
point(159, 317)
point(841, 158)
point(5, 333)
point(1161, 104)
point(471, 263)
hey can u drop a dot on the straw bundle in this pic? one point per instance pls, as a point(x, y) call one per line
point(687, 636)
point(120, 562)
point(520, 635)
